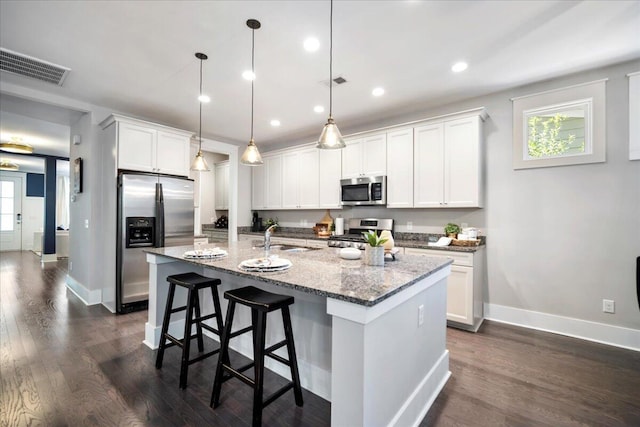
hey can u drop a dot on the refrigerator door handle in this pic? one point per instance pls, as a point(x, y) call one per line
point(159, 216)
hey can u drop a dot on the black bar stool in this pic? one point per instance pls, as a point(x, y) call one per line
point(193, 282)
point(260, 302)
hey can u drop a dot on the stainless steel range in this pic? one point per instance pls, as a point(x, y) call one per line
point(356, 226)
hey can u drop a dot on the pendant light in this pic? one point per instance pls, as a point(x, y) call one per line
point(199, 163)
point(251, 155)
point(330, 138)
point(7, 165)
point(15, 145)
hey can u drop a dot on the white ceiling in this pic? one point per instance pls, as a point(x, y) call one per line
point(137, 57)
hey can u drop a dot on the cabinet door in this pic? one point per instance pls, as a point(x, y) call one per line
point(460, 295)
point(428, 183)
point(258, 187)
point(352, 159)
point(309, 178)
point(172, 154)
point(374, 155)
point(273, 189)
point(290, 182)
point(330, 166)
point(221, 185)
point(462, 162)
point(400, 169)
point(136, 148)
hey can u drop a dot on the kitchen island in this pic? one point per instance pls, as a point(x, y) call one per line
point(372, 340)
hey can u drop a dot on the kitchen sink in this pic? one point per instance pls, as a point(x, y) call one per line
point(293, 248)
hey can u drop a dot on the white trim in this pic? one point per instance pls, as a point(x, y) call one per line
point(88, 297)
point(555, 90)
point(635, 73)
point(427, 391)
point(48, 258)
point(617, 336)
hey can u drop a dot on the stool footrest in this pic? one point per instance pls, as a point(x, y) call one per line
point(203, 356)
point(274, 347)
point(177, 309)
point(279, 359)
point(207, 317)
point(239, 375)
point(240, 332)
point(210, 329)
point(277, 394)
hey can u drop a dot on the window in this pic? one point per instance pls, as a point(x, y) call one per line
point(6, 205)
point(560, 127)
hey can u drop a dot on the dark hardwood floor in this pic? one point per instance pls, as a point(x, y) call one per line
point(65, 364)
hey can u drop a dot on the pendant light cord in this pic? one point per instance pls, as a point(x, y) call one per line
point(200, 102)
point(331, 60)
point(253, 46)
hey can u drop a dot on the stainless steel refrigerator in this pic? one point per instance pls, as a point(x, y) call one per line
point(153, 211)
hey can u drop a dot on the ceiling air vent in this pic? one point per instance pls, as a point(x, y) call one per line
point(337, 81)
point(28, 66)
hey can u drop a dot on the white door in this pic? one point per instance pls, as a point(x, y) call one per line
point(10, 213)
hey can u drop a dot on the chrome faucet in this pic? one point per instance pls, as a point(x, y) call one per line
point(267, 239)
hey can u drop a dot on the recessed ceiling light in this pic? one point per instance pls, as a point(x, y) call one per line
point(204, 98)
point(459, 66)
point(377, 91)
point(248, 75)
point(318, 109)
point(275, 123)
point(311, 44)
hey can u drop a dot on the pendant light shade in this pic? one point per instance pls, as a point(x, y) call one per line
point(330, 138)
point(251, 155)
point(7, 165)
point(199, 163)
point(15, 145)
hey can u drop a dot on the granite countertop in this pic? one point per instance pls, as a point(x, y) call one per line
point(418, 241)
point(322, 272)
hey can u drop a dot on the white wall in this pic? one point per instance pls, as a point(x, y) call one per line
point(559, 239)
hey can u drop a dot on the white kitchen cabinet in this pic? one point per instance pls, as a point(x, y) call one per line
point(266, 183)
point(300, 179)
point(365, 156)
point(149, 148)
point(400, 169)
point(464, 286)
point(448, 164)
point(221, 193)
point(331, 171)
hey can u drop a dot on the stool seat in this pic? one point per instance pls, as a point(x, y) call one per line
point(261, 303)
point(258, 299)
point(193, 282)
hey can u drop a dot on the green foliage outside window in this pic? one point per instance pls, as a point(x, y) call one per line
point(545, 139)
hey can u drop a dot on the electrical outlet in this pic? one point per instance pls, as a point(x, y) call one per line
point(86, 223)
point(409, 226)
point(420, 314)
point(608, 306)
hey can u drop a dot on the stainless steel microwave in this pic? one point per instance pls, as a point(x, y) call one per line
point(363, 191)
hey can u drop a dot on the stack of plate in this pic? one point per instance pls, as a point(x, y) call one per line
point(264, 265)
point(210, 253)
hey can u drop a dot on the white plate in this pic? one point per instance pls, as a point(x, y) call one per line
point(206, 253)
point(265, 264)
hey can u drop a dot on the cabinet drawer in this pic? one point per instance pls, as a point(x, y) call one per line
point(459, 258)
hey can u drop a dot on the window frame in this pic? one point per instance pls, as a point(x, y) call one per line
point(593, 94)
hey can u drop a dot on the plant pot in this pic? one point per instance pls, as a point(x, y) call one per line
point(374, 255)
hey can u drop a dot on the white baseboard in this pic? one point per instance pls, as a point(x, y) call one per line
point(48, 258)
point(89, 297)
point(584, 329)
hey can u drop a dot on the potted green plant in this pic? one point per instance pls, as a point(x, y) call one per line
point(373, 251)
point(452, 230)
point(270, 222)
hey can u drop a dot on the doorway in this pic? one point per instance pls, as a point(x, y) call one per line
point(10, 213)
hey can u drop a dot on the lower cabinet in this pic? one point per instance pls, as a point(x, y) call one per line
point(464, 286)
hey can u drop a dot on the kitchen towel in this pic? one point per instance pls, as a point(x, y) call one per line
point(339, 223)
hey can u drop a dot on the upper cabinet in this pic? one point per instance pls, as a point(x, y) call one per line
point(365, 156)
point(448, 164)
point(300, 179)
point(149, 147)
point(221, 171)
point(400, 169)
point(266, 180)
point(331, 170)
